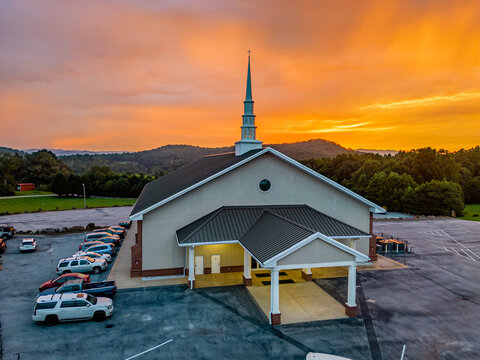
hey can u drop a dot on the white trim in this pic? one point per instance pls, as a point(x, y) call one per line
point(200, 183)
point(291, 249)
point(358, 237)
point(373, 207)
point(316, 265)
point(220, 243)
point(209, 243)
point(359, 257)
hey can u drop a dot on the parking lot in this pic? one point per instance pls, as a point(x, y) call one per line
point(432, 307)
point(212, 323)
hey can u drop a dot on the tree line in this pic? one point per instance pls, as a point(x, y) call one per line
point(48, 172)
point(422, 181)
point(100, 181)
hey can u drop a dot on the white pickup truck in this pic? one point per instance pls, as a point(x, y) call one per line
point(51, 309)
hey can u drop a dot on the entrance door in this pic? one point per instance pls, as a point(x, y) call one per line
point(198, 265)
point(215, 264)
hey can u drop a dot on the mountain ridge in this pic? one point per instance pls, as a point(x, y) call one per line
point(170, 157)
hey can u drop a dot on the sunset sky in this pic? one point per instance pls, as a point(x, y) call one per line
point(135, 75)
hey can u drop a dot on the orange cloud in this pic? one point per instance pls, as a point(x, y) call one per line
point(122, 75)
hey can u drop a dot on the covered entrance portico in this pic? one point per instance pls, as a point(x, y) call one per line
point(277, 243)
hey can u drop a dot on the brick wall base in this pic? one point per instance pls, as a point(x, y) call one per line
point(307, 277)
point(247, 281)
point(350, 311)
point(276, 319)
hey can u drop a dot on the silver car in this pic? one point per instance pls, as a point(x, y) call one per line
point(29, 244)
point(93, 255)
point(81, 265)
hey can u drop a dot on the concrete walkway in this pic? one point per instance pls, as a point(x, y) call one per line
point(121, 268)
point(299, 302)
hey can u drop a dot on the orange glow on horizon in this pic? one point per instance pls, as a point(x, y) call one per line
point(370, 74)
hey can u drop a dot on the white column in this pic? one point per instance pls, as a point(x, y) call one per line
point(352, 285)
point(307, 271)
point(191, 266)
point(247, 265)
point(274, 293)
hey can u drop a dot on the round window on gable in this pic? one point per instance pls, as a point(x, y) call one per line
point(265, 185)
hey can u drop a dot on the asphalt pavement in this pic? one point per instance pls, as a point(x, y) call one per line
point(67, 218)
point(431, 307)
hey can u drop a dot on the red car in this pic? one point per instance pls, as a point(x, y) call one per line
point(62, 278)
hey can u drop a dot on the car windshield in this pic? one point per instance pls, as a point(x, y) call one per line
point(27, 242)
point(91, 299)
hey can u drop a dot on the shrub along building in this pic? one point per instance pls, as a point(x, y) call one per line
point(253, 208)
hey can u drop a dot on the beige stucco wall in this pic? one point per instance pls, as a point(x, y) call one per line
point(317, 251)
point(230, 254)
point(363, 245)
point(240, 187)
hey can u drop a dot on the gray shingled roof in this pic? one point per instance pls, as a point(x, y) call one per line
point(232, 222)
point(265, 231)
point(184, 177)
point(272, 235)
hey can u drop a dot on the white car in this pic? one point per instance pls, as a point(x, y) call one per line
point(51, 309)
point(92, 255)
point(29, 244)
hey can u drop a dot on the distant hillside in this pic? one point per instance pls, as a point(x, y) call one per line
point(61, 152)
point(379, 152)
point(315, 149)
point(171, 157)
point(7, 150)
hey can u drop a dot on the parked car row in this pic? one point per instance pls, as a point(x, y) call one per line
point(72, 295)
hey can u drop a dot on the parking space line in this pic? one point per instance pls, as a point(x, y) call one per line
point(468, 255)
point(473, 253)
point(463, 246)
point(153, 348)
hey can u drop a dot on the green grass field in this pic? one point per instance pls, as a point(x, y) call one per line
point(33, 192)
point(470, 211)
point(18, 205)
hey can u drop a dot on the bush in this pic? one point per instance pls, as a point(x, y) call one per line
point(472, 191)
point(435, 198)
point(6, 190)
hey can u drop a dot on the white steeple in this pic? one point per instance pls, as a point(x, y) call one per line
point(249, 130)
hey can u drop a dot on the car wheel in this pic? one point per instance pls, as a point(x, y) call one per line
point(51, 320)
point(96, 270)
point(99, 316)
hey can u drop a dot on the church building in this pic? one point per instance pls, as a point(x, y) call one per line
point(252, 208)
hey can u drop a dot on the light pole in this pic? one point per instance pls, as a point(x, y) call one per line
point(84, 197)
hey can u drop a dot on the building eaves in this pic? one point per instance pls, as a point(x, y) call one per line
point(191, 176)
